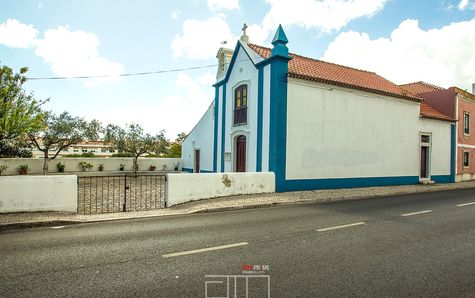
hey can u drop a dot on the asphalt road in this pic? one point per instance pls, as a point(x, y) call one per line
point(368, 248)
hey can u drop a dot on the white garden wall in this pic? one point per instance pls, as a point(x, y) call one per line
point(38, 193)
point(183, 188)
point(111, 164)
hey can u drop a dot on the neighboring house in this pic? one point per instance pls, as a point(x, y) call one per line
point(97, 148)
point(457, 104)
point(316, 124)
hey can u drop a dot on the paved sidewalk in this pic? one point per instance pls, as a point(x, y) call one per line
point(19, 220)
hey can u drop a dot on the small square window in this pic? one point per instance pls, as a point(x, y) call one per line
point(466, 159)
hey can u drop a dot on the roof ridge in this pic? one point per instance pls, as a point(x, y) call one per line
point(319, 60)
point(424, 83)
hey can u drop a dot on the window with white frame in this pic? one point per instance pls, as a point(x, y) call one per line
point(466, 123)
point(466, 158)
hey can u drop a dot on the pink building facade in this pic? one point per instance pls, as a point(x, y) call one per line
point(459, 105)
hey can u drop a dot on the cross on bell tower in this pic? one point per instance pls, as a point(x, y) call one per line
point(244, 38)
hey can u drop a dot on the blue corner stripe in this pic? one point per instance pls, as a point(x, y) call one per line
point(215, 140)
point(278, 118)
point(223, 126)
point(334, 183)
point(187, 170)
point(260, 92)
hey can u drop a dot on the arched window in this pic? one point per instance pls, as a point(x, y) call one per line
point(240, 105)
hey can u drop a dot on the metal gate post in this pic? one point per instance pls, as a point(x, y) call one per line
point(124, 208)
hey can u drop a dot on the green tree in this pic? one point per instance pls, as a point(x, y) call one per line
point(60, 132)
point(132, 140)
point(20, 112)
point(174, 150)
point(162, 144)
point(180, 137)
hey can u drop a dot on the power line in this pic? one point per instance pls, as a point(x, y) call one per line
point(132, 74)
point(124, 74)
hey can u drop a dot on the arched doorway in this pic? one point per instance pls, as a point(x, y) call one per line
point(241, 154)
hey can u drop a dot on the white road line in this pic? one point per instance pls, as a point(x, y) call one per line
point(416, 213)
point(466, 204)
point(189, 252)
point(342, 226)
point(58, 227)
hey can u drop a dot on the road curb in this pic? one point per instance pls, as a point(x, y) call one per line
point(36, 224)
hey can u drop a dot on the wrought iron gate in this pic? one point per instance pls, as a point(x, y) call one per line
point(106, 194)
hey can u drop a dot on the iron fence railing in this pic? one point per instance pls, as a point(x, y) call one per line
point(106, 194)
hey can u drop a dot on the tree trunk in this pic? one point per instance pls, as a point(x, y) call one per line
point(45, 163)
point(136, 165)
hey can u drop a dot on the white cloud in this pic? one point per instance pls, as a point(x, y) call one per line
point(216, 5)
point(202, 39)
point(444, 56)
point(181, 112)
point(75, 53)
point(463, 4)
point(324, 15)
point(176, 14)
point(17, 35)
point(207, 79)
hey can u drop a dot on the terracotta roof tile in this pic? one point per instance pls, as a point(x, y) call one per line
point(420, 87)
point(428, 111)
point(316, 70)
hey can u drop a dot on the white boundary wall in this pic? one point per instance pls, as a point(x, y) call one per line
point(38, 193)
point(182, 188)
point(111, 164)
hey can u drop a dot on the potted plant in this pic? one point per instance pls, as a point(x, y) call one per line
point(101, 167)
point(121, 167)
point(152, 168)
point(85, 166)
point(23, 169)
point(3, 168)
point(164, 167)
point(176, 166)
point(60, 167)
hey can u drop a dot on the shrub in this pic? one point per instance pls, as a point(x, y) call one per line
point(60, 167)
point(85, 165)
point(122, 155)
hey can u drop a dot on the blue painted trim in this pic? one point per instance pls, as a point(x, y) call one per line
point(187, 170)
point(441, 178)
point(223, 126)
point(453, 148)
point(215, 140)
point(260, 100)
point(206, 171)
point(278, 120)
point(334, 183)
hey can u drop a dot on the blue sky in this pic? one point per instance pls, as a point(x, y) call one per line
point(404, 41)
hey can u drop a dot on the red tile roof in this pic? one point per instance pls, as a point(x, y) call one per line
point(428, 111)
point(316, 70)
point(420, 87)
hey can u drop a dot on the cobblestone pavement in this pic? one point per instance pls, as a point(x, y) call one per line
point(234, 202)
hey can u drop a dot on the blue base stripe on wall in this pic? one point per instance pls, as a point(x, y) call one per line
point(187, 170)
point(442, 178)
point(334, 183)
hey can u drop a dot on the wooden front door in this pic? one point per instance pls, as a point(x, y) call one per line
point(197, 161)
point(241, 154)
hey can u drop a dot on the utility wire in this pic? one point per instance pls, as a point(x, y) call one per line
point(132, 74)
point(124, 74)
